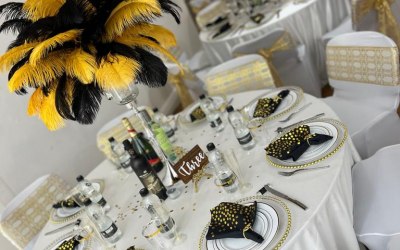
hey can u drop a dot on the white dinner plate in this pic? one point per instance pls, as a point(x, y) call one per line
point(316, 153)
point(266, 224)
point(288, 103)
point(273, 223)
point(66, 212)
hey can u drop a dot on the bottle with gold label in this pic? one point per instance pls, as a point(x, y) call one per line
point(143, 147)
point(147, 175)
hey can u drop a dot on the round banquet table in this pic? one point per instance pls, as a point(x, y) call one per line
point(327, 224)
point(307, 22)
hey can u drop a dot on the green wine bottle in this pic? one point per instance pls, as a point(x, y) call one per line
point(143, 147)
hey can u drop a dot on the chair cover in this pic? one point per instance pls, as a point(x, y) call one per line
point(293, 64)
point(244, 73)
point(363, 69)
point(376, 190)
point(26, 215)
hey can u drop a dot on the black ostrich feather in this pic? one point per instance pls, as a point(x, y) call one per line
point(12, 10)
point(14, 25)
point(86, 102)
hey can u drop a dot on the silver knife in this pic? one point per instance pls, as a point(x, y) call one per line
point(280, 129)
point(72, 224)
point(267, 188)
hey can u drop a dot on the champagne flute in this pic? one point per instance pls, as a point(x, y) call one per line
point(233, 163)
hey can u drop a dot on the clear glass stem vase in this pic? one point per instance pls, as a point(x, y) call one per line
point(128, 98)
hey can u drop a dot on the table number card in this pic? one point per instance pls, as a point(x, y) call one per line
point(191, 164)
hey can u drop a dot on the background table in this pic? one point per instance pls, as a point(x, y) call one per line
point(306, 22)
point(327, 224)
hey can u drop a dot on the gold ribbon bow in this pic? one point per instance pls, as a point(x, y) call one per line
point(181, 88)
point(197, 177)
point(285, 42)
point(386, 20)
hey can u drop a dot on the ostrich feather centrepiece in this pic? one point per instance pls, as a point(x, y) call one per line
point(69, 52)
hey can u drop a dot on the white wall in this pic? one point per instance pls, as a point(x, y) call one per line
point(28, 150)
point(186, 33)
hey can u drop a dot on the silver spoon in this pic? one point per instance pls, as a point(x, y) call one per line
point(300, 170)
point(280, 129)
point(294, 113)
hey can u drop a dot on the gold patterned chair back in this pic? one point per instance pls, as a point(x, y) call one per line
point(29, 212)
point(244, 73)
point(363, 57)
point(115, 129)
point(268, 46)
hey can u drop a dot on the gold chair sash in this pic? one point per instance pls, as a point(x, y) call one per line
point(251, 76)
point(387, 22)
point(180, 86)
point(29, 218)
point(374, 65)
point(285, 42)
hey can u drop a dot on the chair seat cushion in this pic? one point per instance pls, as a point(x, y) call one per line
point(356, 115)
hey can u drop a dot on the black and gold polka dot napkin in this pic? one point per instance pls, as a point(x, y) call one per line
point(231, 220)
point(197, 114)
point(71, 244)
point(267, 106)
point(293, 144)
point(68, 203)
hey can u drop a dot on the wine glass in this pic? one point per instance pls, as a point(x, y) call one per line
point(231, 159)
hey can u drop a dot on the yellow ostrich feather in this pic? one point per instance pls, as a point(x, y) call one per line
point(45, 71)
point(35, 102)
point(37, 9)
point(164, 36)
point(81, 65)
point(48, 112)
point(14, 55)
point(116, 71)
point(144, 42)
point(129, 12)
point(42, 49)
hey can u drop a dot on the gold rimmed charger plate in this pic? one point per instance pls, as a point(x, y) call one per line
point(284, 215)
point(341, 136)
point(54, 218)
point(282, 110)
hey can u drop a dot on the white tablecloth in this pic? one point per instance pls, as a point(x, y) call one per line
point(327, 224)
point(306, 22)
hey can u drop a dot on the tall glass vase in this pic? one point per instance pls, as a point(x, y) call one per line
point(128, 98)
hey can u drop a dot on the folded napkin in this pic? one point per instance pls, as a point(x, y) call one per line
point(217, 21)
point(267, 106)
point(69, 203)
point(70, 244)
point(224, 28)
point(197, 114)
point(257, 18)
point(231, 220)
point(294, 143)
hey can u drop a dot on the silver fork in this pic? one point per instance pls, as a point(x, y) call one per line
point(294, 113)
point(300, 170)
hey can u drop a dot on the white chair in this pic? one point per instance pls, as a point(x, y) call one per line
point(376, 189)
point(244, 73)
point(293, 65)
point(363, 69)
point(210, 13)
point(345, 27)
point(25, 216)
